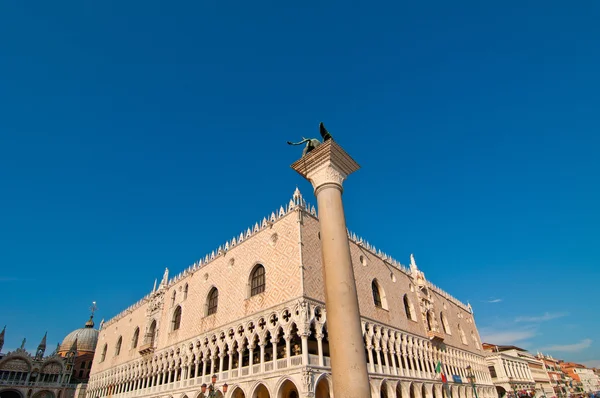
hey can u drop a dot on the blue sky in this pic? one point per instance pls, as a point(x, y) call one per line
point(129, 130)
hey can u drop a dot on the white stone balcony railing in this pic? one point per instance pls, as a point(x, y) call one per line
point(250, 372)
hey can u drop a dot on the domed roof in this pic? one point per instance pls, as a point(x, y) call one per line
point(86, 337)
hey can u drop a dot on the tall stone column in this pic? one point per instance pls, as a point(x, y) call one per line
point(326, 167)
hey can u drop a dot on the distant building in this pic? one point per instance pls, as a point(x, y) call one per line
point(558, 379)
point(62, 374)
point(586, 379)
point(510, 372)
point(583, 379)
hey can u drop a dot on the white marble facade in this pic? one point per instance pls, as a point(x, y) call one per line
point(271, 340)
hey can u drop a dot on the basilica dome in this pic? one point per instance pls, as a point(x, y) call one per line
point(87, 338)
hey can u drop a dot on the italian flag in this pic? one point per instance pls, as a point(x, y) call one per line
point(438, 369)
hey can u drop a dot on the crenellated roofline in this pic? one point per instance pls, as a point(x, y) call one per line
point(297, 202)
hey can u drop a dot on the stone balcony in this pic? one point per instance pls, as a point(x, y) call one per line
point(146, 349)
point(435, 335)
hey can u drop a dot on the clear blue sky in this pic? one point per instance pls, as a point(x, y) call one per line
point(129, 130)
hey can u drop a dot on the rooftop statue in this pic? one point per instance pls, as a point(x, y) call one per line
point(313, 143)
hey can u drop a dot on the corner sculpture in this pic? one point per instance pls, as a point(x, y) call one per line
point(313, 143)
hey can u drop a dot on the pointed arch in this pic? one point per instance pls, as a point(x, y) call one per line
point(286, 388)
point(445, 323)
point(376, 291)
point(237, 392)
point(11, 393)
point(173, 297)
point(408, 308)
point(176, 321)
point(383, 389)
point(323, 387)
point(118, 346)
point(185, 291)
point(260, 391)
point(474, 338)
point(135, 338)
point(463, 338)
point(399, 392)
point(103, 356)
point(257, 280)
point(150, 336)
point(429, 318)
point(212, 301)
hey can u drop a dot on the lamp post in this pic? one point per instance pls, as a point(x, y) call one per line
point(471, 378)
point(212, 390)
point(512, 384)
point(542, 389)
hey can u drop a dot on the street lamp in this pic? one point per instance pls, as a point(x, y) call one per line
point(512, 384)
point(471, 378)
point(542, 389)
point(212, 390)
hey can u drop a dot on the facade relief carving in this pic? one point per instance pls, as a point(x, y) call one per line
point(16, 365)
point(156, 302)
point(307, 381)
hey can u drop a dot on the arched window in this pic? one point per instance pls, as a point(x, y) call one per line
point(257, 280)
point(376, 295)
point(177, 318)
point(474, 338)
point(136, 337)
point(445, 324)
point(429, 320)
point(408, 308)
point(118, 347)
point(185, 291)
point(151, 333)
point(213, 301)
point(463, 338)
point(103, 356)
point(173, 298)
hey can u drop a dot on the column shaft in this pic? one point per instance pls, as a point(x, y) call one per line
point(348, 361)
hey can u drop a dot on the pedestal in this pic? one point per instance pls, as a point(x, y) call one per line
point(326, 167)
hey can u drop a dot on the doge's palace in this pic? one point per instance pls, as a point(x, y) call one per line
point(251, 315)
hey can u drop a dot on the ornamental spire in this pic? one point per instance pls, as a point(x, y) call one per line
point(90, 322)
point(39, 354)
point(2, 337)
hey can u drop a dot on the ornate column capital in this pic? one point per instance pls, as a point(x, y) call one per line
point(328, 164)
point(304, 333)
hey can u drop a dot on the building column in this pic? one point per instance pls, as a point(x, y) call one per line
point(262, 357)
point(221, 355)
point(320, 347)
point(251, 359)
point(204, 366)
point(415, 362)
point(304, 338)
point(421, 362)
point(274, 341)
point(379, 362)
point(326, 167)
point(400, 368)
point(404, 361)
point(288, 349)
point(231, 354)
point(370, 355)
point(390, 355)
point(240, 360)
